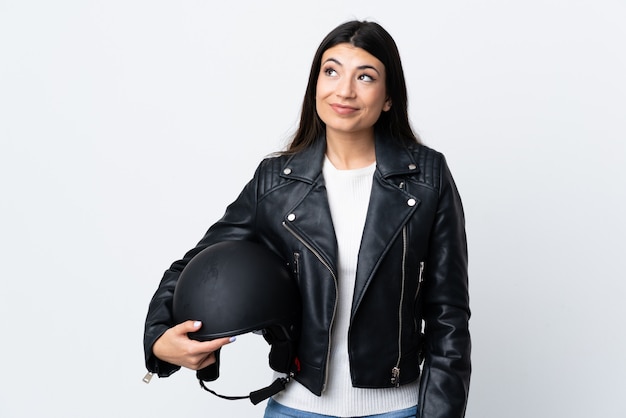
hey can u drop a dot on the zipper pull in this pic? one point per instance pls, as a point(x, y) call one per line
point(296, 262)
point(146, 379)
point(395, 376)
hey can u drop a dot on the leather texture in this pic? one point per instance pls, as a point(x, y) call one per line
point(412, 270)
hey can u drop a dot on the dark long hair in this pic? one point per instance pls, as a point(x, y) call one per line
point(374, 39)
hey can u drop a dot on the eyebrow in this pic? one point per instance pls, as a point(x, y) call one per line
point(360, 67)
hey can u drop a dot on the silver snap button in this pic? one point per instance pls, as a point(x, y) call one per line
point(411, 202)
point(287, 171)
point(291, 217)
point(412, 166)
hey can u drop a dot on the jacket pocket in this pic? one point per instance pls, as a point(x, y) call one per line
point(417, 322)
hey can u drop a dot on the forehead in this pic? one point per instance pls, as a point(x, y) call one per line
point(348, 54)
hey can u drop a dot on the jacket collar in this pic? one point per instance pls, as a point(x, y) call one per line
point(392, 159)
point(388, 201)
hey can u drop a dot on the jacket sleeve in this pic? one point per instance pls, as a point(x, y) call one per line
point(237, 223)
point(446, 375)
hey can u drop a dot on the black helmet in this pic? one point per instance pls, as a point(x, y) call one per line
point(236, 287)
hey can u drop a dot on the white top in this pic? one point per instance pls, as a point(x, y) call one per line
point(348, 196)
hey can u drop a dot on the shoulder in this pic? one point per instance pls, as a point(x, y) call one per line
point(425, 154)
point(269, 173)
point(431, 163)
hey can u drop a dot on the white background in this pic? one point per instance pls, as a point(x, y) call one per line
point(126, 127)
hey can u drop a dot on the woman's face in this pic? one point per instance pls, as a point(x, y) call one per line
point(350, 93)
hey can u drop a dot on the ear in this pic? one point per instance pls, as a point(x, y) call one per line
point(387, 105)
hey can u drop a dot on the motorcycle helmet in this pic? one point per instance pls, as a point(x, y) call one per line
point(236, 287)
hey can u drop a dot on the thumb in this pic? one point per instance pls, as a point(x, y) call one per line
point(189, 326)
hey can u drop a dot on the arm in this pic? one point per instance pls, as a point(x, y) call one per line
point(445, 380)
point(236, 224)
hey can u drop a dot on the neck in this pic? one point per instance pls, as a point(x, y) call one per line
point(348, 152)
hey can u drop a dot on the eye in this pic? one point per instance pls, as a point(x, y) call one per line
point(330, 72)
point(366, 77)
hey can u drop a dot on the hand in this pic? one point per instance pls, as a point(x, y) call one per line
point(175, 347)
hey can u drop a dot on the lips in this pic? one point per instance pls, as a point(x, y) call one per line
point(343, 109)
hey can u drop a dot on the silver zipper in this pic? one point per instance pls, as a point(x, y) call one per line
point(296, 265)
point(420, 280)
point(395, 371)
point(332, 320)
point(395, 376)
point(148, 377)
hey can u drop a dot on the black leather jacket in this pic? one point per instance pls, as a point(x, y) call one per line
point(412, 270)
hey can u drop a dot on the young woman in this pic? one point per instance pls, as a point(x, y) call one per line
point(372, 225)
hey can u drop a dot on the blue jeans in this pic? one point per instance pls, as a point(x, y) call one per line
point(276, 410)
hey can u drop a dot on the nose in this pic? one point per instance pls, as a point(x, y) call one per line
point(345, 88)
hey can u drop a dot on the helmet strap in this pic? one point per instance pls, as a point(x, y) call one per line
point(282, 358)
point(257, 395)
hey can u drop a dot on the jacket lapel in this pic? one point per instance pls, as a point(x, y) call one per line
point(310, 218)
point(389, 210)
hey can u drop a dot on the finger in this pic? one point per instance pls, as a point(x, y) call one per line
point(210, 359)
point(191, 326)
point(213, 345)
point(188, 326)
point(209, 348)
